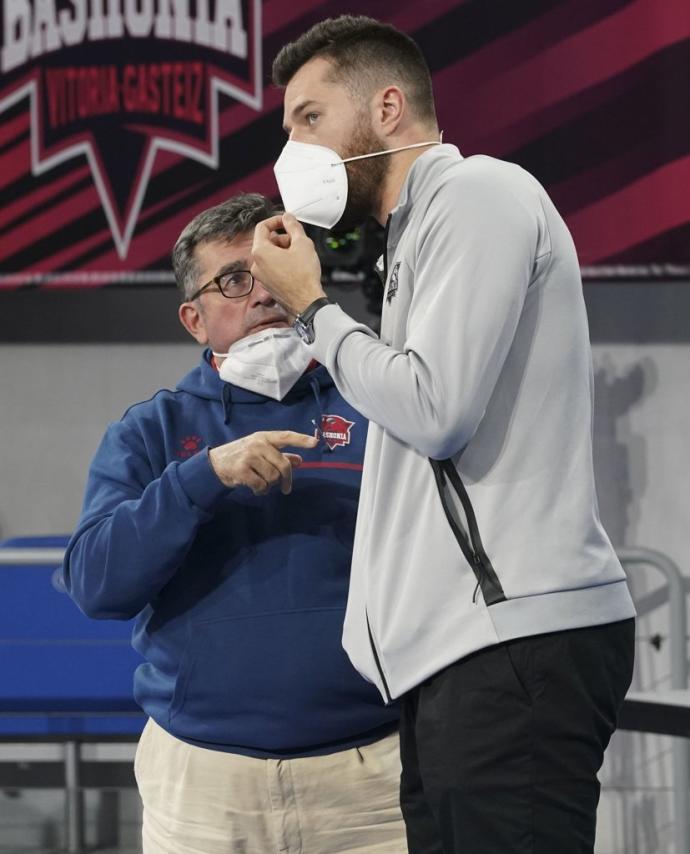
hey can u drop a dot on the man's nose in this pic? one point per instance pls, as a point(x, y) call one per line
point(261, 295)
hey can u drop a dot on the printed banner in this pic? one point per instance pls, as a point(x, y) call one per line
point(122, 119)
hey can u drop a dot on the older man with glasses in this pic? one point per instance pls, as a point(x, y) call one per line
point(233, 552)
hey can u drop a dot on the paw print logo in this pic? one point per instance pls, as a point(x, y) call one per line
point(189, 446)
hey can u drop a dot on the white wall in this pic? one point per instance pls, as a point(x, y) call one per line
point(641, 428)
point(55, 402)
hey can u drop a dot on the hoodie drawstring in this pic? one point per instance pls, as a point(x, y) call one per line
point(226, 398)
point(314, 383)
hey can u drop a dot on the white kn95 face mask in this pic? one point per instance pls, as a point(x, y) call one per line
point(269, 362)
point(313, 181)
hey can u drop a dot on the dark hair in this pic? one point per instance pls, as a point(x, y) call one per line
point(365, 54)
point(238, 215)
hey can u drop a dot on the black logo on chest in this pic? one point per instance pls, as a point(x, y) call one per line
point(393, 282)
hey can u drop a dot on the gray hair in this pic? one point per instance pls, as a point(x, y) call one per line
point(238, 215)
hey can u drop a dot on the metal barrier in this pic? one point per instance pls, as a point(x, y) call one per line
point(631, 558)
point(31, 556)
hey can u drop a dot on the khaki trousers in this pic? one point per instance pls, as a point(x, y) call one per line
point(199, 801)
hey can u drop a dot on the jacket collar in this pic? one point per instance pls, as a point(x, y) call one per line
point(421, 182)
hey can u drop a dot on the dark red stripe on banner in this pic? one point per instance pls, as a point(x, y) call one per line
point(673, 244)
point(277, 14)
point(414, 16)
point(159, 237)
point(635, 128)
point(14, 163)
point(97, 253)
point(64, 259)
point(562, 71)
point(491, 38)
point(21, 237)
point(643, 210)
point(14, 130)
point(12, 214)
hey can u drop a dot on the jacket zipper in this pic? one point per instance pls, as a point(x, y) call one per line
point(389, 699)
point(377, 661)
point(472, 546)
point(385, 254)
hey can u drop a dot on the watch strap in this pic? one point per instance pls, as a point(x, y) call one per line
point(307, 316)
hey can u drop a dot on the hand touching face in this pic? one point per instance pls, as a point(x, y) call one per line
point(287, 264)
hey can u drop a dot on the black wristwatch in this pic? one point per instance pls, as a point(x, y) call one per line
point(304, 322)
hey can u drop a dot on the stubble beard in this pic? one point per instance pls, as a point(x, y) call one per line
point(365, 178)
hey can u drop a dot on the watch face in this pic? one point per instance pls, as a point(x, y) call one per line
point(304, 330)
point(304, 325)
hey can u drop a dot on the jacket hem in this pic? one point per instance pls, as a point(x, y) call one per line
point(507, 620)
point(562, 610)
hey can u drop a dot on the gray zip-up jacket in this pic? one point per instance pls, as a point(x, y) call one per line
point(483, 358)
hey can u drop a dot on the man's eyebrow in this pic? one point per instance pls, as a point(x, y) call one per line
point(296, 110)
point(232, 267)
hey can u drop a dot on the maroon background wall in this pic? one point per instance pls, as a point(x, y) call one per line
point(108, 146)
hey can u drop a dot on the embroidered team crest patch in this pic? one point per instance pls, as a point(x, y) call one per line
point(393, 282)
point(335, 431)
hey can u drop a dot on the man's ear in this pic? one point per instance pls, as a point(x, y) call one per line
point(390, 107)
point(192, 319)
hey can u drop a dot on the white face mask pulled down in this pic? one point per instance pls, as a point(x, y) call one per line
point(269, 362)
point(312, 180)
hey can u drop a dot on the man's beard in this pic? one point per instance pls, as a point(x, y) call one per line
point(364, 177)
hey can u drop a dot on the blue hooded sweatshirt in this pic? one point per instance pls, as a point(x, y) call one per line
point(239, 599)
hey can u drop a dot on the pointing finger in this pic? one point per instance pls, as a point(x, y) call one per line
point(283, 438)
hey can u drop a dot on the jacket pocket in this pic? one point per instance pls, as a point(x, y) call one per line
point(467, 535)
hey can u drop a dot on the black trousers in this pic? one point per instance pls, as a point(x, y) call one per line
point(500, 751)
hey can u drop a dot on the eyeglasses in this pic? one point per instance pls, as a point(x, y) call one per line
point(232, 285)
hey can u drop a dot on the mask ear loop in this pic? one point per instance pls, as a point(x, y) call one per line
point(390, 151)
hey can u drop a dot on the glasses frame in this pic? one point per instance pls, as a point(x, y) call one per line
point(216, 281)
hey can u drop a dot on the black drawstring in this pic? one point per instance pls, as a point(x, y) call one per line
point(314, 383)
point(226, 399)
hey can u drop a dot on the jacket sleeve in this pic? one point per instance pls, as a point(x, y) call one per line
point(136, 528)
point(472, 265)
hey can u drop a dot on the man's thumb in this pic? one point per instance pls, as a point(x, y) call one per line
point(291, 223)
